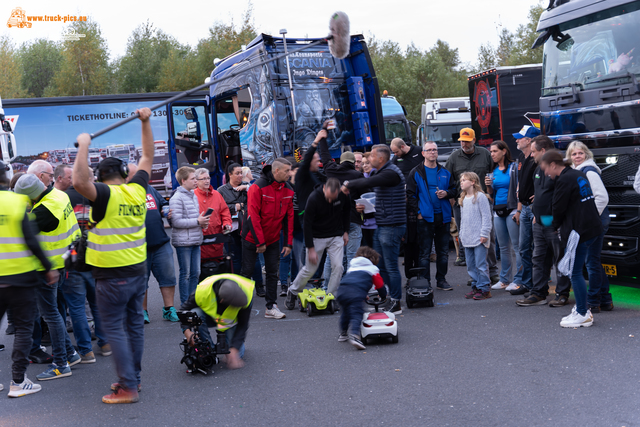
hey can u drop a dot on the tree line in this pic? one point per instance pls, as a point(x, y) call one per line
point(155, 61)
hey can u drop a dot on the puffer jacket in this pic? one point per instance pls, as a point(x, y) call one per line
point(184, 220)
point(220, 216)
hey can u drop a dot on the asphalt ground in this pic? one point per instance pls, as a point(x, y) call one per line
point(460, 363)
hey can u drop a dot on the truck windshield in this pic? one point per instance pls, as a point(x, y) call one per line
point(444, 134)
point(603, 51)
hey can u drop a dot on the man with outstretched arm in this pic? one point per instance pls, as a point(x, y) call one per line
point(117, 251)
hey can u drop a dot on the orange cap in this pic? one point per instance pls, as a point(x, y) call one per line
point(467, 134)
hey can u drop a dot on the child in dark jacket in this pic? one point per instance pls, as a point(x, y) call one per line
point(361, 276)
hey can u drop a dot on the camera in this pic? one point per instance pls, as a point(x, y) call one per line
point(200, 355)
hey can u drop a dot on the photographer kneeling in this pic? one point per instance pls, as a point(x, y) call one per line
point(224, 302)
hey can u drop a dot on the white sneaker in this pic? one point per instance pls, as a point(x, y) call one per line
point(1, 387)
point(577, 320)
point(24, 388)
point(274, 313)
point(512, 287)
point(574, 310)
point(499, 285)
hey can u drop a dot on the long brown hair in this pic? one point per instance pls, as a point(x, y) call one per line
point(473, 177)
point(501, 145)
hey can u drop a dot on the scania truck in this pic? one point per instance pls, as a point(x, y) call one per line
point(591, 93)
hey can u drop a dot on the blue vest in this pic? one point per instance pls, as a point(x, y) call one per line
point(391, 202)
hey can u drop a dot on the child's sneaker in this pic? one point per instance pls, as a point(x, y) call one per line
point(469, 295)
point(54, 372)
point(344, 336)
point(24, 388)
point(354, 340)
point(480, 295)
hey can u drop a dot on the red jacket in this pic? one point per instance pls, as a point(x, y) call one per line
point(270, 210)
point(220, 216)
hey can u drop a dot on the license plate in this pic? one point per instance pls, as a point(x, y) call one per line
point(610, 270)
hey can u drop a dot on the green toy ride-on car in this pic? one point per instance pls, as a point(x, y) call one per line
point(316, 300)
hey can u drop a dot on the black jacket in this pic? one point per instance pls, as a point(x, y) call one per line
point(344, 171)
point(306, 180)
point(409, 161)
point(323, 219)
point(574, 206)
point(544, 187)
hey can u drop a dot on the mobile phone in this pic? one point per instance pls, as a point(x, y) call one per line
point(208, 212)
point(331, 124)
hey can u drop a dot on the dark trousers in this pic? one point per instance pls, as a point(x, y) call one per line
point(428, 233)
point(351, 311)
point(21, 301)
point(598, 280)
point(547, 250)
point(367, 237)
point(271, 264)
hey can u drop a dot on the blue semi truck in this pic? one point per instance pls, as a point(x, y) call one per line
point(252, 118)
point(590, 93)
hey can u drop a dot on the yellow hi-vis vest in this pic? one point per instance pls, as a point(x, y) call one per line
point(119, 240)
point(15, 256)
point(55, 243)
point(207, 300)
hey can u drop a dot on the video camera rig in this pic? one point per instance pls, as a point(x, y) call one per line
point(200, 355)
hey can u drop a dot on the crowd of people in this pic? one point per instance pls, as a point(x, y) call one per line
point(98, 242)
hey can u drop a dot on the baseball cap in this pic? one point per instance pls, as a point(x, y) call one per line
point(527, 132)
point(29, 185)
point(467, 134)
point(348, 156)
point(232, 294)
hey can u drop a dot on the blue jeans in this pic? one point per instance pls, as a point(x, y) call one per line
point(288, 265)
point(160, 263)
point(477, 267)
point(189, 263)
point(386, 241)
point(598, 280)
point(210, 323)
point(526, 246)
point(47, 301)
point(428, 234)
point(351, 312)
point(78, 286)
point(120, 305)
point(577, 279)
point(508, 233)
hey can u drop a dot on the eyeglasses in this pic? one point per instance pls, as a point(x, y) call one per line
point(206, 178)
point(432, 150)
point(48, 173)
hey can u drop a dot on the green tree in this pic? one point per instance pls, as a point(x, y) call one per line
point(224, 39)
point(85, 69)
point(179, 72)
point(10, 70)
point(147, 48)
point(41, 59)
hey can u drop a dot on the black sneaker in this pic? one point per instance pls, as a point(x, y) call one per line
point(520, 290)
point(559, 301)
point(444, 286)
point(531, 300)
point(460, 262)
point(495, 279)
point(606, 307)
point(290, 301)
point(283, 290)
point(594, 308)
point(260, 291)
point(40, 356)
point(344, 336)
point(355, 341)
point(395, 307)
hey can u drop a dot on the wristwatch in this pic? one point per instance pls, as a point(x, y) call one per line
point(346, 184)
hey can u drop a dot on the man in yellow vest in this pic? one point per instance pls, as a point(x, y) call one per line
point(117, 251)
point(20, 257)
point(58, 228)
point(223, 301)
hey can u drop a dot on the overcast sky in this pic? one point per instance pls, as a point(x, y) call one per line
point(464, 24)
